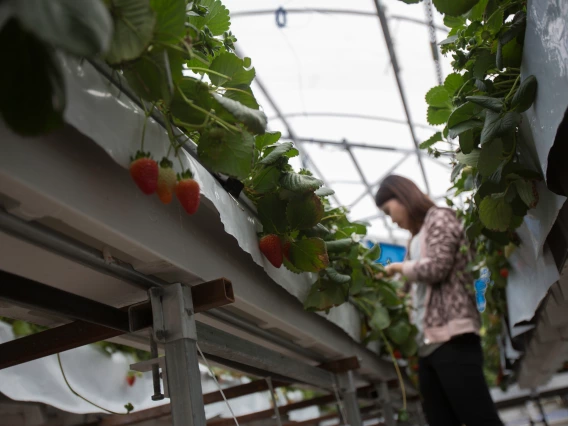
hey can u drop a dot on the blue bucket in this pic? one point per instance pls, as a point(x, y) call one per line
point(390, 253)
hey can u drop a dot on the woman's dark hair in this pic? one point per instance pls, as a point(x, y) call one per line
point(409, 195)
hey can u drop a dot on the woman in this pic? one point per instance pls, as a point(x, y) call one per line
point(450, 371)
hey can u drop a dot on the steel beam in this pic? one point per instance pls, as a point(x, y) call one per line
point(349, 395)
point(396, 69)
point(225, 346)
point(384, 175)
point(80, 333)
point(246, 13)
point(355, 116)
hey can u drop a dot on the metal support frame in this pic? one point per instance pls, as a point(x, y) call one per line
point(384, 400)
point(349, 396)
point(396, 69)
point(245, 13)
point(175, 328)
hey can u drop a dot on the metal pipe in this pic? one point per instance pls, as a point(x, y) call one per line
point(242, 324)
point(355, 116)
point(396, 69)
point(76, 251)
point(366, 183)
point(246, 13)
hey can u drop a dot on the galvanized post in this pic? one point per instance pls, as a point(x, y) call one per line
point(421, 419)
point(174, 327)
point(385, 403)
point(349, 396)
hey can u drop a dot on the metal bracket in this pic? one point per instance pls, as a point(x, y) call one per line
point(145, 366)
point(176, 300)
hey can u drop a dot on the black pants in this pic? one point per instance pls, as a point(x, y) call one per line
point(453, 385)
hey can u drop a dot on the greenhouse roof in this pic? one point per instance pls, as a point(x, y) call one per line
point(346, 82)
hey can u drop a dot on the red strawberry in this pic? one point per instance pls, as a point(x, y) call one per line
point(166, 181)
point(415, 367)
point(286, 250)
point(130, 379)
point(187, 191)
point(144, 171)
point(271, 247)
point(504, 272)
point(397, 354)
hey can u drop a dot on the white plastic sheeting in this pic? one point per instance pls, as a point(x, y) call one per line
point(101, 378)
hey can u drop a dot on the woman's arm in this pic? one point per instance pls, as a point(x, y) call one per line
point(442, 244)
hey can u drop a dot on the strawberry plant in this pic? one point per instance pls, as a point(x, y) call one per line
point(480, 106)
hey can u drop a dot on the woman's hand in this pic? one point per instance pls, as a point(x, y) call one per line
point(393, 268)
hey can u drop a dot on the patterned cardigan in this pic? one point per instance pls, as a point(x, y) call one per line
point(450, 306)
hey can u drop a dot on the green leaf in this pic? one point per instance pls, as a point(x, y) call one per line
point(374, 253)
point(512, 54)
point(453, 83)
point(278, 151)
point(217, 18)
point(267, 139)
point(388, 296)
point(464, 112)
point(496, 126)
point(272, 213)
point(134, 22)
point(476, 14)
point(471, 159)
point(358, 281)
point(266, 179)
point(453, 22)
point(495, 213)
point(83, 28)
point(242, 94)
point(409, 348)
point(380, 319)
point(464, 126)
point(451, 39)
point(436, 137)
point(484, 62)
point(528, 192)
point(288, 265)
point(495, 21)
point(32, 88)
point(494, 104)
point(336, 277)
point(454, 7)
point(22, 328)
point(304, 212)
point(525, 95)
point(254, 119)
point(318, 231)
point(299, 183)
point(324, 295)
point(411, 1)
point(437, 116)
point(467, 142)
point(309, 254)
point(490, 157)
point(438, 97)
point(399, 332)
point(149, 76)
point(517, 27)
point(324, 192)
point(456, 171)
point(170, 20)
point(294, 153)
point(198, 93)
point(339, 246)
point(233, 69)
point(227, 152)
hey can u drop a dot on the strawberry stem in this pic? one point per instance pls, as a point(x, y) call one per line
point(391, 352)
point(81, 396)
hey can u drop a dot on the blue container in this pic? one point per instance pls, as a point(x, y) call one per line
point(390, 253)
